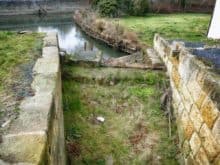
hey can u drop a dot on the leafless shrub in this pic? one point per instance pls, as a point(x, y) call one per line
point(100, 25)
point(130, 36)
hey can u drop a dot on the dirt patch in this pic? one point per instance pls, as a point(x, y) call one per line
point(73, 149)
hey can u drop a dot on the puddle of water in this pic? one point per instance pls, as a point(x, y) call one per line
point(71, 38)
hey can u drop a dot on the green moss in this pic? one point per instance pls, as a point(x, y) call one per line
point(15, 50)
point(129, 102)
point(189, 27)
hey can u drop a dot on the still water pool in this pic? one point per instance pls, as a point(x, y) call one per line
point(71, 38)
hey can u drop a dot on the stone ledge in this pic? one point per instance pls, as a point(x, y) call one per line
point(27, 139)
point(50, 39)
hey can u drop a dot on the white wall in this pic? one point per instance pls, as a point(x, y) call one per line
point(214, 30)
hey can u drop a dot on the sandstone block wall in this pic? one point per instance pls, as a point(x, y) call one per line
point(196, 102)
point(37, 135)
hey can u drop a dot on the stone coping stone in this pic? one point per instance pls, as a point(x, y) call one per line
point(26, 139)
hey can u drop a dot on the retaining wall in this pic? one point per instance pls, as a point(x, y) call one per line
point(37, 135)
point(196, 102)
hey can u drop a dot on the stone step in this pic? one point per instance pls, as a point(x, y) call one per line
point(155, 59)
point(108, 75)
point(136, 60)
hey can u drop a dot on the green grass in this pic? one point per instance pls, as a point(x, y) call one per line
point(15, 50)
point(188, 27)
point(130, 106)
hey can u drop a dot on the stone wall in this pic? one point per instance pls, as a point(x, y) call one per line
point(196, 102)
point(37, 135)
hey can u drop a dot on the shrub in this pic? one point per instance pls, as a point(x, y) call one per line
point(95, 3)
point(131, 36)
point(139, 7)
point(108, 8)
point(113, 7)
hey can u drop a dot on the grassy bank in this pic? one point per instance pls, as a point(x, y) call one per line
point(15, 51)
point(135, 130)
point(188, 27)
point(18, 53)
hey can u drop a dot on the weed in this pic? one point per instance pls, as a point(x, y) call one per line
point(142, 92)
point(131, 108)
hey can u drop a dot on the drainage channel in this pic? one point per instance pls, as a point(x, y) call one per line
point(114, 116)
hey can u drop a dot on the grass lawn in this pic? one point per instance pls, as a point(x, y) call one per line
point(15, 50)
point(188, 27)
point(135, 130)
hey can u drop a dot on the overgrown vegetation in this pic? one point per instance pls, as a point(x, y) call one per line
point(110, 32)
point(15, 50)
point(188, 27)
point(114, 8)
point(18, 53)
point(135, 128)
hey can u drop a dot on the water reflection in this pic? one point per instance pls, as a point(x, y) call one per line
point(71, 38)
point(68, 38)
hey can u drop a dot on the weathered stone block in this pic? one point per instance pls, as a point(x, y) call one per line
point(208, 142)
point(197, 90)
point(24, 146)
point(201, 157)
point(200, 77)
point(180, 130)
point(46, 66)
point(176, 97)
point(175, 76)
point(34, 114)
point(187, 125)
point(179, 110)
point(189, 160)
point(174, 61)
point(201, 98)
point(50, 39)
point(216, 130)
point(209, 112)
point(186, 98)
point(196, 118)
point(208, 81)
point(187, 68)
point(169, 66)
point(186, 149)
point(50, 52)
point(194, 90)
point(27, 141)
point(217, 160)
point(195, 143)
point(215, 93)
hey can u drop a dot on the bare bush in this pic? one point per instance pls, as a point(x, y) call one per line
point(100, 25)
point(131, 36)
